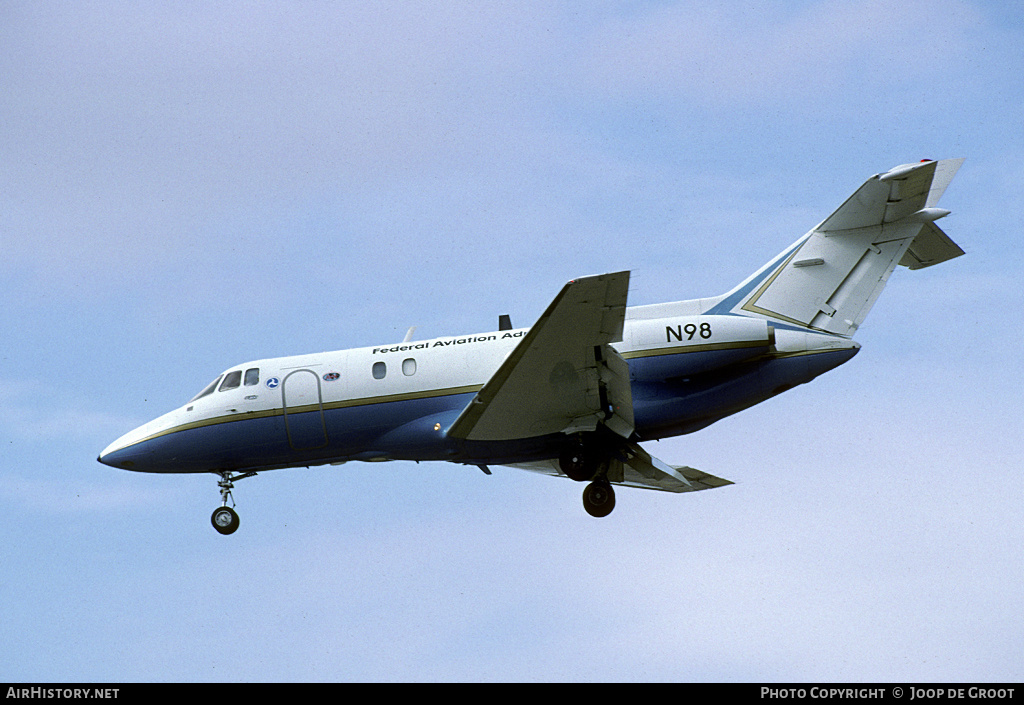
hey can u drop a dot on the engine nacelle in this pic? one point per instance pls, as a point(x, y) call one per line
point(679, 346)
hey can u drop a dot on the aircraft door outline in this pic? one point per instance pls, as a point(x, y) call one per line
point(306, 430)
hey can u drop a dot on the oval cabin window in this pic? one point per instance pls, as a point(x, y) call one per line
point(408, 367)
point(380, 370)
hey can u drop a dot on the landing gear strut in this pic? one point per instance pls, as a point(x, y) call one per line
point(589, 457)
point(599, 499)
point(224, 518)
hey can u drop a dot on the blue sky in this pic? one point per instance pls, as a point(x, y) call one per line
point(188, 186)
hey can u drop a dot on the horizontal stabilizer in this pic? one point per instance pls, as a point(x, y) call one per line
point(889, 197)
point(931, 246)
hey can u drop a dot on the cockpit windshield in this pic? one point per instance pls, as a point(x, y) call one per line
point(208, 390)
point(231, 380)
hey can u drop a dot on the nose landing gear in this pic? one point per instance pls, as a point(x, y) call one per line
point(224, 518)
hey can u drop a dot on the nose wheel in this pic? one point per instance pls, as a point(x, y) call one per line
point(225, 518)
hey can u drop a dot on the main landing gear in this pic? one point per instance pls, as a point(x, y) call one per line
point(599, 498)
point(224, 518)
point(585, 458)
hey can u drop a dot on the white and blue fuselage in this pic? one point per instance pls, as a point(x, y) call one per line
point(396, 402)
point(576, 393)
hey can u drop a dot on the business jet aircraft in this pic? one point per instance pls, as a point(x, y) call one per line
point(576, 393)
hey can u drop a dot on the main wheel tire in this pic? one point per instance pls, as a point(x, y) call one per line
point(573, 462)
point(225, 520)
point(599, 499)
point(581, 461)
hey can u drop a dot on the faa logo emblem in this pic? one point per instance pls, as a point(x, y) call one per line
point(273, 382)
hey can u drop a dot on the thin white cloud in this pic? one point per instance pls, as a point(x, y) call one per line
point(745, 54)
point(64, 494)
point(129, 132)
point(35, 412)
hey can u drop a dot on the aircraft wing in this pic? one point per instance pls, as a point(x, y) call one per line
point(637, 472)
point(563, 376)
point(694, 480)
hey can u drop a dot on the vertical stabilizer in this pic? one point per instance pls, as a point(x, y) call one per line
point(830, 278)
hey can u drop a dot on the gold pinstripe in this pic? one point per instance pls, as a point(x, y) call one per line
point(344, 403)
point(707, 347)
point(751, 302)
point(448, 391)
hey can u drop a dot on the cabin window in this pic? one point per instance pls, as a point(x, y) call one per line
point(231, 380)
point(380, 370)
point(252, 377)
point(408, 367)
point(209, 390)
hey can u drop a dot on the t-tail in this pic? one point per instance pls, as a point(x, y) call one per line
point(829, 279)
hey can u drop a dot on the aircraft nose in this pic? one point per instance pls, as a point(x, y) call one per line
point(115, 457)
point(121, 454)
